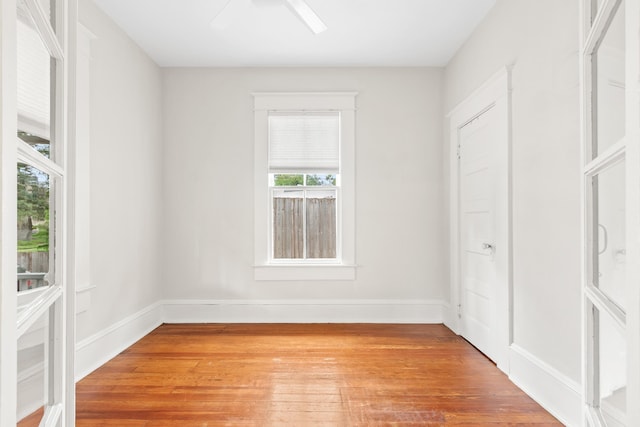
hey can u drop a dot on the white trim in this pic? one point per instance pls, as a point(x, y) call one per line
point(475, 102)
point(83, 299)
point(303, 311)
point(51, 415)
point(99, 348)
point(598, 27)
point(554, 391)
point(611, 157)
point(604, 304)
point(494, 93)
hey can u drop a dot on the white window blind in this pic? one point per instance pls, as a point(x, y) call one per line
point(34, 79)
point(304, 142)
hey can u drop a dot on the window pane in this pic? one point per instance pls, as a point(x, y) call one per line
point(609, 82)
point(35, 233)
point(321, 179)
point(612, 356)
point(288, 238)
point(321, 224)
point(609, 233)
point(282, 180)
point(32, 368)
point(36, 70)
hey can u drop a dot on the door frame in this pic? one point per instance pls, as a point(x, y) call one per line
point(495, 93)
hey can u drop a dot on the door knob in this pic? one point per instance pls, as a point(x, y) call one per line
point(487, 246)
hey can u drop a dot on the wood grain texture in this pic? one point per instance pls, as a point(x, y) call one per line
point(32, 420)
point(302, 375)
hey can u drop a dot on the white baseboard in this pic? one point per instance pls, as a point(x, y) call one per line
point(303, 311)
point(554, 391)
point(96, 350)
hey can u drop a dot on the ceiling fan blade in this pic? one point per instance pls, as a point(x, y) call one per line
point(307, 15)
point(231, 12)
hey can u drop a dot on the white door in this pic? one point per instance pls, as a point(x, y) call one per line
point(479, 289)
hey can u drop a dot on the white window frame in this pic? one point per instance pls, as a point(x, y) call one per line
point(343, 267)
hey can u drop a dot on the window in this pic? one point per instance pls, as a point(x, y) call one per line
point(304, 163)
point(304, 186)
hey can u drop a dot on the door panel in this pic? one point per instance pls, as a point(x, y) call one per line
point(477, 230)
point(611, 212)
point(39, 201)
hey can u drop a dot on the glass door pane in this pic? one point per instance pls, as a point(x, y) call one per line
point(36, 228)
point(609, 233)
point(608, 104)
point(36, 78)
point(32, 373)
point(612, 367)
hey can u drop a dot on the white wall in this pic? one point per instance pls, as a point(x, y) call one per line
point(541, 39)
point(125, 176)
point(208, 167)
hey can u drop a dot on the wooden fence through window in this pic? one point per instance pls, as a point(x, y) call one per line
point(34, 262)
point(288, 235)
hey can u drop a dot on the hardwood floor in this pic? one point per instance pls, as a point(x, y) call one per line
point(32, 420)
point(299, 375)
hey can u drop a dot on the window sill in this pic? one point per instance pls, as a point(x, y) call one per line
point(304, 272)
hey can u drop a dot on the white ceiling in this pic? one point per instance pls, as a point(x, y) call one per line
point(177, 33)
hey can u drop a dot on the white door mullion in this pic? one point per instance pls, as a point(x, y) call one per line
point(30, 156)
point(43, 25)
point(32, 313)
point(604, 305)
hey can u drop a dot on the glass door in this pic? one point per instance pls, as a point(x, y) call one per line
point(34, 370)
point(610, 287)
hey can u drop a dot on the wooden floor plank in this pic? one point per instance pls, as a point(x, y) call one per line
point(299, 375)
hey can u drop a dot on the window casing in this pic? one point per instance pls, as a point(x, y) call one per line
point(304, 186)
